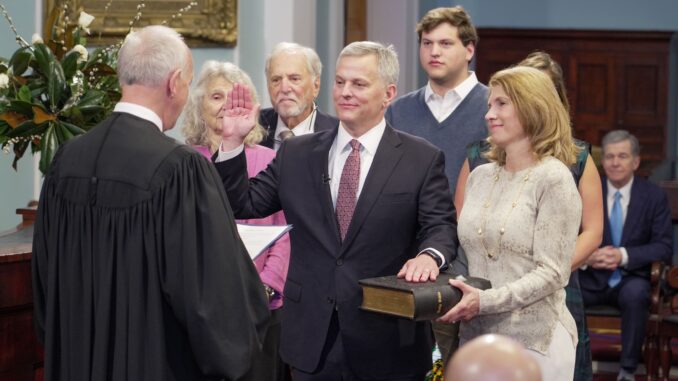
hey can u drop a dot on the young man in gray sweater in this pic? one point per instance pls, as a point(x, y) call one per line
point(449, 111)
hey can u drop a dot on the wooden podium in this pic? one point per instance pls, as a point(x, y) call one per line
point(21, 357)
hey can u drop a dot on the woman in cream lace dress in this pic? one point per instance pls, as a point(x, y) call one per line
point(520, 222)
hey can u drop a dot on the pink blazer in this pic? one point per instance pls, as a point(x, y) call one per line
point(273, 264)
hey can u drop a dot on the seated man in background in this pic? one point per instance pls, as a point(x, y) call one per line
point(293, 78)
point(637, 232)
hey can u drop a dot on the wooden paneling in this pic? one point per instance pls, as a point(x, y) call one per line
point(615, 79)
point(20, 354)
point(671, 189)
point(355, 25)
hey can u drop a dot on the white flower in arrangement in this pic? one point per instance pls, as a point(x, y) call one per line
point(82, 51)
point(36, 39)
point(78, 78)
point(4, 81)
point(84, 21)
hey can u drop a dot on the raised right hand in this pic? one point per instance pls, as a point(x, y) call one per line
point(239, 117)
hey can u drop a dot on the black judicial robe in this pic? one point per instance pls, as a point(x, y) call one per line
point(138, 270)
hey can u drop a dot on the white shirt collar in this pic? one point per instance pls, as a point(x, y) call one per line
point(462, 90)
point(369, 140)
point(139, 111)
point(302, 128)
point(624, 190)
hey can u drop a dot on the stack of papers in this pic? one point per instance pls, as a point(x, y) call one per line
point(258, 238)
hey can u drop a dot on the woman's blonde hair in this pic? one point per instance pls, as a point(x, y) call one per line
point(193, 126)
point(541, 114)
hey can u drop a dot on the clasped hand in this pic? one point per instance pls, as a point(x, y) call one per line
point(605, 258)
point(239, 115)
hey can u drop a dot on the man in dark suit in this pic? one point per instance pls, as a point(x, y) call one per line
point(365, 200)
point(138, 270)
point(293, 78)
point(637, 232)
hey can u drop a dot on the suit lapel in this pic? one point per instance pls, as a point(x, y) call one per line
point(269, 120)
point(633, 212)
point(385, 160)
point(607, 236)
point(318, 163)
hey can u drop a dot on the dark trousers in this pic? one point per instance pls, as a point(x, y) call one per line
point(447, 338)
point(583, 367)
point(267, 364)
point(632, 297)
point(333, 364)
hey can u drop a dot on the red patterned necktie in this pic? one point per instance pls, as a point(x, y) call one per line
point(348, 188)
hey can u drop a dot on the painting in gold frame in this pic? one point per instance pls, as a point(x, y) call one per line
point(207, 23)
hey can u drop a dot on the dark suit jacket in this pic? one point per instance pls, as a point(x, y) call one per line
point(647, 234)
point(405, 206)
point(268, 119)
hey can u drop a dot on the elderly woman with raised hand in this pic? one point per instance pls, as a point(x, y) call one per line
point(520, 223)
point(202, 128)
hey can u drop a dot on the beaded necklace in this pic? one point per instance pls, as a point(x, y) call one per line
point(486, 206)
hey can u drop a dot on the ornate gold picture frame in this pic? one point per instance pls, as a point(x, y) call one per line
point(207, 23)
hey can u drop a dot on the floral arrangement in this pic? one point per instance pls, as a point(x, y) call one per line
point(51, 91)
point(436, 374)
point(54, 89)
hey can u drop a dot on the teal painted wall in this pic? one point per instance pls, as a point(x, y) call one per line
point(16, 187)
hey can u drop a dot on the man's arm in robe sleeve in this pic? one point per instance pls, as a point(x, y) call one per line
point(39, 265)
point(210, 281)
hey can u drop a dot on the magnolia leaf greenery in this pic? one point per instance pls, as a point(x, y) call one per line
point(54, 89)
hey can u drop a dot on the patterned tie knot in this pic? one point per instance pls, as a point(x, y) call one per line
point(284, 135)
point(355, 145)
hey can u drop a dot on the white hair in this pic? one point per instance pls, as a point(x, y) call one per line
point(150, 54)
point(387, 58)
point(313, 63)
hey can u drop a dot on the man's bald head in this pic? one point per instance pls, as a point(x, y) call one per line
point(492, 358)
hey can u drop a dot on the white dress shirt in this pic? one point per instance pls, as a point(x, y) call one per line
point(625, 192)
point(442, 107)
point(303, 128)
point(139, 111)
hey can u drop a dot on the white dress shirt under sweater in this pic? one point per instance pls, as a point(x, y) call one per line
point(442, 106)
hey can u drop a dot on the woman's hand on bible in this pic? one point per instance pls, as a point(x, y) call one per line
point(467, 308)
point(238, 115)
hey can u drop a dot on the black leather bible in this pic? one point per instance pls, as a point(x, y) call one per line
point(416, 301)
